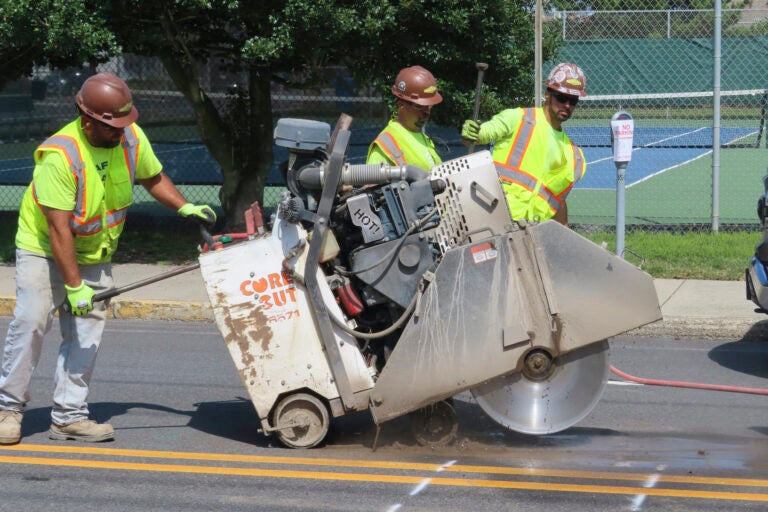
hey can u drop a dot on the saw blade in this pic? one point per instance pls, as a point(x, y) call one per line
point(552, 404)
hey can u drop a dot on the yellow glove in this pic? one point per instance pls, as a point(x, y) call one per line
point(470, 130)
point(201, 213)
point(80, 298)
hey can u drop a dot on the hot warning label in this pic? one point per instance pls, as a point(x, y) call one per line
point(483, 252)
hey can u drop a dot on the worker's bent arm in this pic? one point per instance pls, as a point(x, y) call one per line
point(63, 245)
point(499, 127)
point(162, 188)
point(562, 215)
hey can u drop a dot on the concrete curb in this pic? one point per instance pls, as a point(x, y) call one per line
point(143, 309)
point(734, 328)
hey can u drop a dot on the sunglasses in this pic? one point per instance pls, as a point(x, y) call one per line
point(420, 108)
point(100, 124)
point(564, 98)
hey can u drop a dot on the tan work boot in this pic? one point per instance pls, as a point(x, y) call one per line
point(83, 430)
point(10, 427)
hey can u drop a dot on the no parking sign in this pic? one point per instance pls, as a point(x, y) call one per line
point(622, 131)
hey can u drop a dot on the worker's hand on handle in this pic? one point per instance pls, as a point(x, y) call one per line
point(202, 213)
point(470, 131)
point(80, 299)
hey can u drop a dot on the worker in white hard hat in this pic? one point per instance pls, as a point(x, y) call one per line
point(537, 163)
point(71, 217)
point(404, 141)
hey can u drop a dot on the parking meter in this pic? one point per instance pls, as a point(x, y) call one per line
point(622, 132)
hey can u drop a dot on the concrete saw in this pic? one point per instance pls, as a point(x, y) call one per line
point(392, 289)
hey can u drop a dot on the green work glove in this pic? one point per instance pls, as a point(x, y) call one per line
point(201, 213)
point(80, 298)
point(470, 130)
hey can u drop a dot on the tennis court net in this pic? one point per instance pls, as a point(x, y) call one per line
point(674, 120)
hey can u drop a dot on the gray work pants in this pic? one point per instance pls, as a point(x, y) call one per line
point(39, 293)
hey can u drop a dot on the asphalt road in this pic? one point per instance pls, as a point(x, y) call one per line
point(187, 440)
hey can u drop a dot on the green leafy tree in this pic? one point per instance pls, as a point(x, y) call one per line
point(286, 42)
point(60, 33)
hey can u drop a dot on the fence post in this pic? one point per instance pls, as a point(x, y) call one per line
point(716, 117)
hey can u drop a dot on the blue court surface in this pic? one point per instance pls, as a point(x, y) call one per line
point(656, 150)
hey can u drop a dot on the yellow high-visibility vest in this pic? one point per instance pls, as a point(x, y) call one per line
point(538, 165)
point(402, 146)
point(100, 207)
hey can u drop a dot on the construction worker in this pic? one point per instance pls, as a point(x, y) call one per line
point(70, 219)
point(536, 161)
point(403, 141)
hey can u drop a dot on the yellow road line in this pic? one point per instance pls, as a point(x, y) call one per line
point(377, 478)
point(353, 463)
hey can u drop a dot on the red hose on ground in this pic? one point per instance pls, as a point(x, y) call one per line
point(681, 384)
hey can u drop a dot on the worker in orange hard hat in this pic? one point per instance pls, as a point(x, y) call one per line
point(537, 163)
point(70, 220)
point(404, 140)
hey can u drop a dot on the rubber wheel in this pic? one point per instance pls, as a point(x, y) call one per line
point(435, 425)
point(302, 420)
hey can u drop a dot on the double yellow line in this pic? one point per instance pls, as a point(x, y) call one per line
point(712, 488)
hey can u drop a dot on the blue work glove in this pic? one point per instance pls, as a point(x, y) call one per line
point(80, 298)
point(470, 130)
point(201, 213)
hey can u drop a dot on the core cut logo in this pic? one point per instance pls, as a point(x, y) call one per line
point(276, 292)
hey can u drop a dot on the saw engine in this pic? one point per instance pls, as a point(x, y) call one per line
point(398, 288)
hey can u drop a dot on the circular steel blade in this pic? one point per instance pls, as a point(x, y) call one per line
point(551, 405)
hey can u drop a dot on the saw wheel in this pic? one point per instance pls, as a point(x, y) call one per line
point(301, 420)
point(548, 395)
point(435, 425)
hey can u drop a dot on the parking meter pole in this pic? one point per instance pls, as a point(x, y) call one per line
point(622, 131)
point(621, 169)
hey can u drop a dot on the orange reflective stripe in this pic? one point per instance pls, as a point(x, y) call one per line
point(552, 200)
point(523, 133)
point(116, 217)
point(516, 176)
point(523, 179)
point(71, 150)
point(579, 165)
point(69, 147)
point(131, 150)
point(388, 143)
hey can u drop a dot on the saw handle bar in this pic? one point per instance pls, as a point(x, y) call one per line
point(113, 292)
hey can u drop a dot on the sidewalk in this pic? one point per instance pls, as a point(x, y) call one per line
point(691, 308)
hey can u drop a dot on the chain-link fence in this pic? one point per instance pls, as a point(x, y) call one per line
point(34, 108)
point(659, 66)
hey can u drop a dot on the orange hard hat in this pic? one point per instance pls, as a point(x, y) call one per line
point(417, 85)
point(567, 78)
point(106, 98)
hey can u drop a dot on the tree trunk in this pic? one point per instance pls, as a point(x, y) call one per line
point(245, 184)
point(242, 149)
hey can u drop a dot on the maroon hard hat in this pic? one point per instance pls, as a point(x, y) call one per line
point(417, 85)
point(106, 98)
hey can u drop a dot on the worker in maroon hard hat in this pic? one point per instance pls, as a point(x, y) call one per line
point(70, 220)
point(404, 140)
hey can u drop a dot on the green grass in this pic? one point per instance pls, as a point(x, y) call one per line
point(713, 256)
